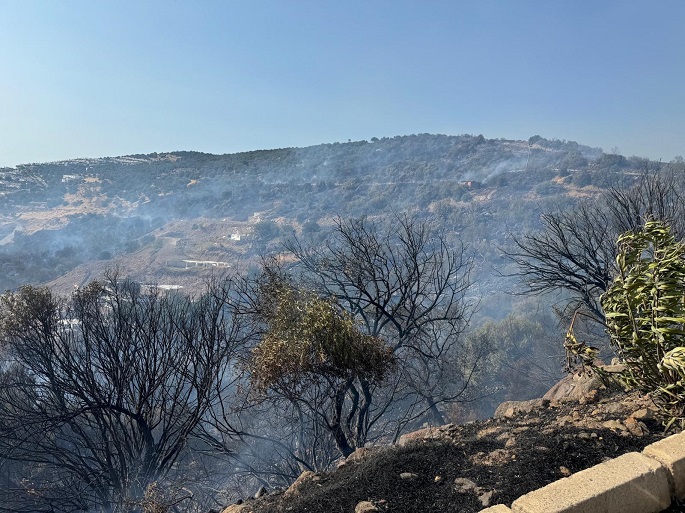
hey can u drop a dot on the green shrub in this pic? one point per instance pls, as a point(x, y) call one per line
point(309, 338)
point(645, 315)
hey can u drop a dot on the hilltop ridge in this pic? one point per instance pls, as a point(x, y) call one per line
point(64, 222)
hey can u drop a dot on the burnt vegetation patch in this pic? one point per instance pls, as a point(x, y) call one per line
point(503, 457)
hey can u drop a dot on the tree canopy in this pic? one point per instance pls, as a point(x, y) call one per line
point(309, 338)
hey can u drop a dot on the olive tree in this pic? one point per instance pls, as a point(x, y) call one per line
point(314, 357)
point(402, 280)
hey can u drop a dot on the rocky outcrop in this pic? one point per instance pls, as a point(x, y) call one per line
point(235, 508)
point(512, 408)
point(444, 432)
point(573, 387)
point(581, 388)
point(294, 488)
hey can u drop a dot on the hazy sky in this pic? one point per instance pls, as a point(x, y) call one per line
point(91, 78)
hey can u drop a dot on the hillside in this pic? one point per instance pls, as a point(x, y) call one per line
point(63, 223)
point(176, 220)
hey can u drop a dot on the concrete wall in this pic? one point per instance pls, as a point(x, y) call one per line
point(643, 482)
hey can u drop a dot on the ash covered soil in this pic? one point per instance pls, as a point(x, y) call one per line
point(465, 468)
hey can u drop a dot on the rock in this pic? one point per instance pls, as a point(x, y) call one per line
point(485, 432)
point(564, 471)
point(612, 407)
point(235, 508)
point(614, 424)
point(510, 409)
point(465, 485)
point(589, 398)
point(427, 433)
point(589, 424)
point(485, 498)
point(496, 457)
point(450, 428)
point(294, 489)
point(635, 427)
point(361, 453)
point(615, 367)
point(365, 507)
point(643, 414)
point(260, 493)
point(573, 387)
point(408, 475)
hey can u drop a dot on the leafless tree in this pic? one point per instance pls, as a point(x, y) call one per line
point(101, 392)
point(657, 194)
point(575, 251)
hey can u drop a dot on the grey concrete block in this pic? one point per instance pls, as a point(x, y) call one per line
point(670, 452)
point(632, 483)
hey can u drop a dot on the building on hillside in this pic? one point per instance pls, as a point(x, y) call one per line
point(196, 264)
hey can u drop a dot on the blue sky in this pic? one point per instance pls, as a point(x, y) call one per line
point(91, 78)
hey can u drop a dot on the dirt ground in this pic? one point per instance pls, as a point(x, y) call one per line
point(464, 468)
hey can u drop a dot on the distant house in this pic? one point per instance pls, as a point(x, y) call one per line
point(205, 263)
point(196, 264)
point(235, 236)
point(162, 287)
point(70, 178)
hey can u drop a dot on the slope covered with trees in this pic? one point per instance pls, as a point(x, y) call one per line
point(143, 212)
point(366, 290)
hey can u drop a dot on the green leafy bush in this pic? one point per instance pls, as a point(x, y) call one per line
point(645, 315)
point(309, 338)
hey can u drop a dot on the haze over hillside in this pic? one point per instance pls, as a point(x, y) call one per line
point(174, 218)
point(392, 302)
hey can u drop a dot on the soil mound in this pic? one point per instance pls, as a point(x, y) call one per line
point(468, 467)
